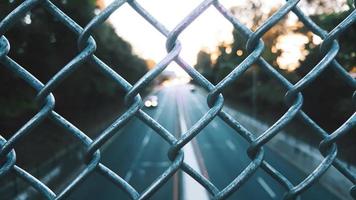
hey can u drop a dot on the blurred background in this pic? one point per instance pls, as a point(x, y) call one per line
point(128, 44)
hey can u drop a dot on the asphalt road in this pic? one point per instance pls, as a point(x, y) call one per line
point(139, 155)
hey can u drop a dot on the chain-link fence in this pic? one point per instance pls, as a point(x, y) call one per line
point(86, 53)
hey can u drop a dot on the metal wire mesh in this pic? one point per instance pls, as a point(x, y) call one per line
point(86, 46)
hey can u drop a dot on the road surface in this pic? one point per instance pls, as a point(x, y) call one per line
point(139, 155)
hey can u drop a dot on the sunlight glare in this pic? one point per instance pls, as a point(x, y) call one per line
point(293, 50)
point(207, 31)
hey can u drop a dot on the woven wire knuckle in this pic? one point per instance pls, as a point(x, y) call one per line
point(86, 47)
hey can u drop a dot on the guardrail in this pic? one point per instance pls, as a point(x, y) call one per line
point(86, 53)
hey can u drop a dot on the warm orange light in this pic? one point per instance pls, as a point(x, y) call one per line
point(292, 47)
point(150, 63)
point(176, 81)
point(100, 4)
point(317, 40)
point(239, 52)
point(214, 56)
point(274, 49)
point(228, 50)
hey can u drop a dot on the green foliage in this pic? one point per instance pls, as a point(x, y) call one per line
point(329, 93)
point(327, 100)
point(204, 65)
point(44, 45)
point(347, 54)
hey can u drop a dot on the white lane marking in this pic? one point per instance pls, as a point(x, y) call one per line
point(214, 125)
point(146, 140)
point(266, 187)
point(253, 122)
point(128, 175)
point(155, 164)
point(144, 143)
point(191, 189)
point(230, 145)
point(243, 117)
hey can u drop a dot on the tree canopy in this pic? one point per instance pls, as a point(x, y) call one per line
point(328, 94)
point(43, 45)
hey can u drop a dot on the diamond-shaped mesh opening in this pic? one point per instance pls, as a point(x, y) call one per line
point(177, 129)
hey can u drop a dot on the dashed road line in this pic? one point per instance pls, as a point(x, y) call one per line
point(155, 164)
point(266, 187)
point(231, 145)
point(142, 147)
point(215, 126)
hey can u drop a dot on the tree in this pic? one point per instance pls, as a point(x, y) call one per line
point(328, 94)
point(43, 45)
point(329, 90)
point(204, 65)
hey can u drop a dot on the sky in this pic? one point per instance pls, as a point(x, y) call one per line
point(206, 32)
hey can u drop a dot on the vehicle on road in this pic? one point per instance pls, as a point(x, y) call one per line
point(151, 102)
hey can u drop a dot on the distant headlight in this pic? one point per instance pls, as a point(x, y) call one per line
point(154, 103)
point(148, 103)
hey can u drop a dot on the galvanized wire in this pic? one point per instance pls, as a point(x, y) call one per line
point(86, 53)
